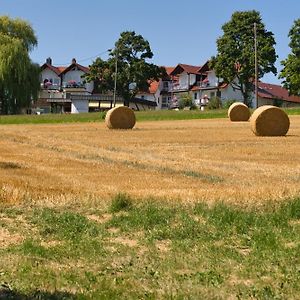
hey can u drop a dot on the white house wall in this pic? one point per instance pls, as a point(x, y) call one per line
point(79, 106)
point(185, 79)
point(73, 75)
point(212, 79)
point(229, 93)
point(50, 75)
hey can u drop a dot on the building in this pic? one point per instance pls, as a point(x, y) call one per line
point(58, 83)
point(159, 91)
point(272, 94)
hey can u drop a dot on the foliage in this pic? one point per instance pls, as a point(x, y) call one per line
point(291, 71)
point(120, 202)
point(278, 102)
point(19, 77)
point(228, 103)
point(214, 103)
point(235, 61)
point(185, 100)
point(131, 53)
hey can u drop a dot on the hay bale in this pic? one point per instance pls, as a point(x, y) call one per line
point(270, 120)
point(238, 112)
point(121, 117)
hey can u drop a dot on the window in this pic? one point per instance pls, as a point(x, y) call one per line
point(195, 96)
point(164, 102)
point(143, 97)
point(165, 84)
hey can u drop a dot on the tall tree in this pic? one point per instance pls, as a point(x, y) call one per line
point(235, 60)
point(134, 73)
point(19, 76)
point(291, 65)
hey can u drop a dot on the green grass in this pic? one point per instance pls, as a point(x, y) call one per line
point(51, 118)
point(151, 250)
point(140, 116)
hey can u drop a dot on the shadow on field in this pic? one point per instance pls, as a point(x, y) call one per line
point(8, 294)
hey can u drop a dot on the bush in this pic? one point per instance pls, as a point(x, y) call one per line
point(186, 100)
point(228, 103)
point(214, 103)
point(121, 201)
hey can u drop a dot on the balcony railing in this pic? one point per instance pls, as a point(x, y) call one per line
point(52, 86)
point(177, 87)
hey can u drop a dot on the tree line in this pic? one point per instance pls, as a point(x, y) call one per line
point(128, 63)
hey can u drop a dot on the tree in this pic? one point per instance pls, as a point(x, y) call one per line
point(235, 60)
point(291, 71)
point(134, 72)
point(19, 77)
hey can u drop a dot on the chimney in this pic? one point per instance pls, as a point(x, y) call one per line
point(49, 61)
point(73, 61)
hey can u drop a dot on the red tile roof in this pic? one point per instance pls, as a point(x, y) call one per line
point(61, 70)
point(169, 70)
point(273, 91)
point(187, 68)
point(80, 67)
point(52, 68)
point(153, 87)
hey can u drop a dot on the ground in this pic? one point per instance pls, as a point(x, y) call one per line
point(191, 209)
point(191, 160)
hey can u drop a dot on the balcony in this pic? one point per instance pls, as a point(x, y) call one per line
point(179, 87)
point(73, 84)
point(50, 86)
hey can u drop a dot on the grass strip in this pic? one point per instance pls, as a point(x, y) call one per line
point(148, 249)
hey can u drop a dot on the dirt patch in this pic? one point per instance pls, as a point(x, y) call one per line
point(100, 219)
point(163, 246)
point(7, 238)
point(50, 244)
point(125, 241)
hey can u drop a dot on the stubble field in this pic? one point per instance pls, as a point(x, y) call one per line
point(175, 160)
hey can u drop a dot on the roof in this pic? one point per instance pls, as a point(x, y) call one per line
point(274, 91)
point(185, 68)
point(73, 65)
point(169, 70)
point(204, 68)
point(61, 70)
point(52, 68)
point(153, 87)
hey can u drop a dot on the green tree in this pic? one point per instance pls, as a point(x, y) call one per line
point(19, 77)
point(235, 60)
point(131, 52)
point(291, 71)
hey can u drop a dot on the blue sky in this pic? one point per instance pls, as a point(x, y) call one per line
point(178, 31)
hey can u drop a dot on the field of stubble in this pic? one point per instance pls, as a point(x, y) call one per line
point(191, 160)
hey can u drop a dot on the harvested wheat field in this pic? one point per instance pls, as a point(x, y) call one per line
point(187, 160)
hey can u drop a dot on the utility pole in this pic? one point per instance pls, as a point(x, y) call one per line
point(256, 67)
point(116, 72)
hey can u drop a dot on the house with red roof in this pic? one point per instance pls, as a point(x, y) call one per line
point(201, 83)
point(159, 91)
point(268, 94)
point(58, 83)
point(272, 94)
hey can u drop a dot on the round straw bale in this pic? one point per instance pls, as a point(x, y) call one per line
point(270, 120)
point(121, 117)
point(238, 112)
